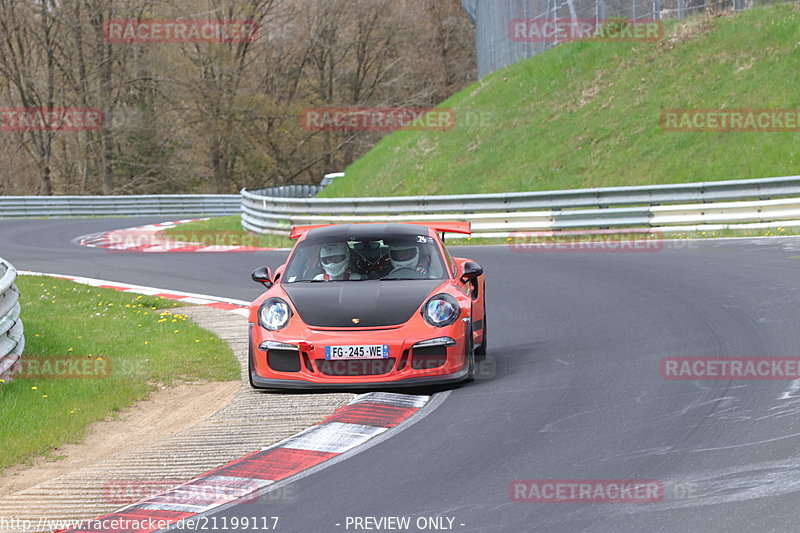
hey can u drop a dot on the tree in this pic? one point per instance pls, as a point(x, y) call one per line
point(29, 50)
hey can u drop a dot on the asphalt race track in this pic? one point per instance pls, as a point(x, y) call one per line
point(576, 341)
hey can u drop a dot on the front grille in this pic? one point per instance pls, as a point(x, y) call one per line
point(355, 367)
point(284, 360)
point(428, 357)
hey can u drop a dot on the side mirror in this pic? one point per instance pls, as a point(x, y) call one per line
point(262, 275)
point(471, 271)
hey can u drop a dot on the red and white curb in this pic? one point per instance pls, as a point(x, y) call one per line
point(365, 417)
point(148, 239)
point(239, 307)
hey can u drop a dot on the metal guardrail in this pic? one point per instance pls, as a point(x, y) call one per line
point(12, 339)
point(290, 191)
point(499, 215)
point(82, 206)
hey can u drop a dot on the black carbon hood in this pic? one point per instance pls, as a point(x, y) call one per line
point(375, 303)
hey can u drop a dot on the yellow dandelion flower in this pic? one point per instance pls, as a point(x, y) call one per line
point(34, 388)
point(44, 395)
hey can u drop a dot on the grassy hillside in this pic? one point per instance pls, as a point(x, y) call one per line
point(588, 114)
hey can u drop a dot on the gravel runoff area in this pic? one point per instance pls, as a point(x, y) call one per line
point(253, 420)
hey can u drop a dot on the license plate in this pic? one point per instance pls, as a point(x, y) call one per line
point(374, 351)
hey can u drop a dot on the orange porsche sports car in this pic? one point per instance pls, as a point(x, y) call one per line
point(368, 305)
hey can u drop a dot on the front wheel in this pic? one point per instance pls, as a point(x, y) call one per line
point(469, 355)
point(250, 364)
point(480, 351)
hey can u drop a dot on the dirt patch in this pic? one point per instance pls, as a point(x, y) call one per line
point(165, 412)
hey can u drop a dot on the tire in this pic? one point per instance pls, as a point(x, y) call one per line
point(470, 355)
point(480, 351)
point(250, 361)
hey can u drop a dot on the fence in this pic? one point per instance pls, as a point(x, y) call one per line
point(83, 206)
point(496, 49)
point(710, 205)
point(12, 340)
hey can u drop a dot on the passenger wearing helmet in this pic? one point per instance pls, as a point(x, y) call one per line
point(335, 260)
point(407, 257)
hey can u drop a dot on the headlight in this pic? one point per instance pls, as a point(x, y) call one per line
point(441, 310)
point(274, 314)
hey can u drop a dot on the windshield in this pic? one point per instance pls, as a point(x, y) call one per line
point(395, 257)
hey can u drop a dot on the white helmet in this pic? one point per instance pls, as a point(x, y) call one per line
point(334, 258)
point(404, 256)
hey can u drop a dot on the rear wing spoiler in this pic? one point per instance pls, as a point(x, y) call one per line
point(464, 228)
point(299, 231)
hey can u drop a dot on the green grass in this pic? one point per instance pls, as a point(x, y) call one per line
point(226, 230)
point(145, 348)
point(587, 114)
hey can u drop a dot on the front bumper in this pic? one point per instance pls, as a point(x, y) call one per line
point(404, 368)
point(294, 384)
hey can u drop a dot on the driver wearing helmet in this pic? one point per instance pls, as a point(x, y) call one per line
point(407, 257)
point(335, 260)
